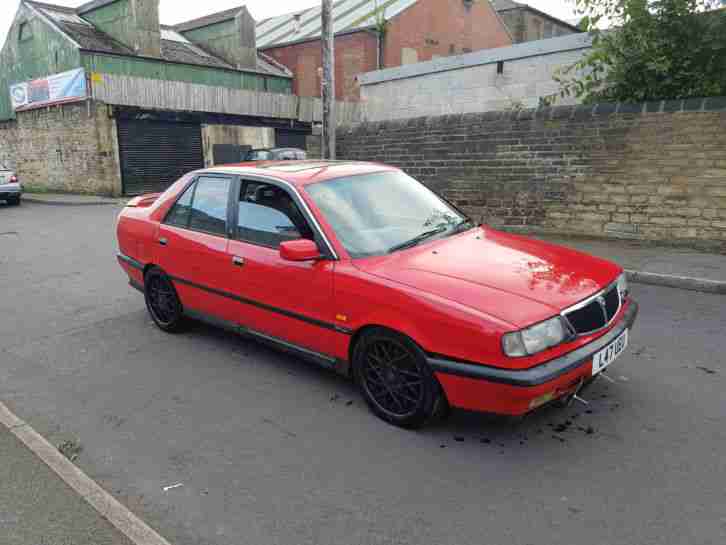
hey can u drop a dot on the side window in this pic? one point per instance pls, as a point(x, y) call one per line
point(180, 212)
point(269, 216)
point(209, 208)
point(203, 206)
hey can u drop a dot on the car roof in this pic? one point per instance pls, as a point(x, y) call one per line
point(302, 173)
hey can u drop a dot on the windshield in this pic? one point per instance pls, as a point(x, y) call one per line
point(380, 213)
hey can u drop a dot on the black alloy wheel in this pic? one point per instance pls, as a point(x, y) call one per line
point(395, 379)
point(162, 301)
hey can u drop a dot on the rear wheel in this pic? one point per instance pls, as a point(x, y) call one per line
point(395, 379)
point(162, 301)
point(15, 201)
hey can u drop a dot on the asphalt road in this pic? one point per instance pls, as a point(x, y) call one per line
point(270, 450)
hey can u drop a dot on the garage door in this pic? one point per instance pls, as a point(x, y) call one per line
point(155, 154)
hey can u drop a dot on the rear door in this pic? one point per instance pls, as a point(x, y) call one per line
point(289, 301)
point(192, 243)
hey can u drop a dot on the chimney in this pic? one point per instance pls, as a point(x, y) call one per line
point(246, 56)
point(137, 27)
point(146, 34)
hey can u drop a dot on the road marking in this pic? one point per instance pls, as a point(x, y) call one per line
point(167, 488)
point(106, 505)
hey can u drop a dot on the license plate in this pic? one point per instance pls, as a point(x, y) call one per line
point(610, 353)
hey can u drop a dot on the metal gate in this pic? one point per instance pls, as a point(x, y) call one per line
point(154, 154)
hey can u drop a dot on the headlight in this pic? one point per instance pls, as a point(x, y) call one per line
point(623, 286)
point(535, 339)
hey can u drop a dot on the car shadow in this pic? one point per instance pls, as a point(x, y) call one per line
point(552, 423)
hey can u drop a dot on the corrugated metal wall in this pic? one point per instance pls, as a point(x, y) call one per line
point(46, 52)
point(153, 69)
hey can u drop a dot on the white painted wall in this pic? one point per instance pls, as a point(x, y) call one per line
point(467, 89)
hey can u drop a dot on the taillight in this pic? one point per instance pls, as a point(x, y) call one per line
point(13, 179)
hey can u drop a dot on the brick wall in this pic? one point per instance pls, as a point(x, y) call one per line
point(654, 171)
point(428, 29)
point(354, 54)
point(69, 148)
point(441, 28)
point(526, 25)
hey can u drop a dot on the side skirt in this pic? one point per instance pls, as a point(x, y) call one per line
point(323, 360)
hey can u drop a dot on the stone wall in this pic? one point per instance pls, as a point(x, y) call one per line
point(68, 148)
point(654, 171)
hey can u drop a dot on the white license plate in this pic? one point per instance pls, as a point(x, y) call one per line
point(610, 353)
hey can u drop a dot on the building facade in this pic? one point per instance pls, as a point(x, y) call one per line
point(527, 24)
point(375, 34)
point(507, 78)
point(149, 102)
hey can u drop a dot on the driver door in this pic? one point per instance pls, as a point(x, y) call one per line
point(289, 301)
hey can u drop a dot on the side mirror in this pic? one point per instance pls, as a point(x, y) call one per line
point(299, 250)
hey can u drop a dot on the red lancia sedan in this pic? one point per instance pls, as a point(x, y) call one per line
point(364, 270)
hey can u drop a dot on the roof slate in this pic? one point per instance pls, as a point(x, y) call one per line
point(174, 47)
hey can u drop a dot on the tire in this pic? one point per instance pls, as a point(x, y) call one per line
point(15, 201)
point(162, 301)
point(395, 379)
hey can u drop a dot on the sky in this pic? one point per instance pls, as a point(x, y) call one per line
point(177, 11)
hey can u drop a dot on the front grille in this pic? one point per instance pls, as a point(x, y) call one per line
point(612, 302)
point(596, 314)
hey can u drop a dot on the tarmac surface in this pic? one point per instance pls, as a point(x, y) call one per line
point(214, 439)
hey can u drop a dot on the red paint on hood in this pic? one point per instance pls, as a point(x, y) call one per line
point(516, 279)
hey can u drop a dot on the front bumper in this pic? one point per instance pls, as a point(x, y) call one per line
point(492, 389)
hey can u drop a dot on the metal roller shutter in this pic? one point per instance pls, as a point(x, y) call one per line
point(155, 154)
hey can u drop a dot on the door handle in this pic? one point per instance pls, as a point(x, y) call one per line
point(163, 241)
point(238, 261)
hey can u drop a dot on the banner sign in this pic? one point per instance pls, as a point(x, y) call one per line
point(65, 87)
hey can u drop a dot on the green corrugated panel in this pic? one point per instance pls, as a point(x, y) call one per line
point(153, 69)
point(279, 85)
point(212, 32)
point(46, 53)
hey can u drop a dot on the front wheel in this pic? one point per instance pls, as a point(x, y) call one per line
point(395, 379)
point(162, 301)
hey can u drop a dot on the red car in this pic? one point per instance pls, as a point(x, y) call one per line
point(364, 270)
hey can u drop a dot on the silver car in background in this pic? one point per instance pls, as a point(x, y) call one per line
point(10, 188)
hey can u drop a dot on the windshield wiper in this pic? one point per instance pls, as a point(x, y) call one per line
point(463, 225)
point(418, 239)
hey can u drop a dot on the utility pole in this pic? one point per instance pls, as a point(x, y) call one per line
point(328, 43)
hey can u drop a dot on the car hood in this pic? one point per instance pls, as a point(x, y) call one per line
point(515, 279)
